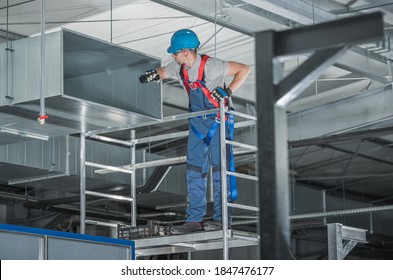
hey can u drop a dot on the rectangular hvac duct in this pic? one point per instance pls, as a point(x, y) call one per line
point(89, 84)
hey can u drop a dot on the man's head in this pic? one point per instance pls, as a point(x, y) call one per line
point(183, 39)
point(184, 44)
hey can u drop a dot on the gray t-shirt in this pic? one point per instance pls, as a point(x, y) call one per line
point(215, 71)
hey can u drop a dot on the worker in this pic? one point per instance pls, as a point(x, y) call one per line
point(203, 78)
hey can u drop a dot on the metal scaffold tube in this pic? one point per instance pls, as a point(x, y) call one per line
point(240, 175)
point(111, 196)
point(141, 165)
point(241, 145)
point(224, 191)
point(173, 118)
point(342, 212)
point(245, 207)
point(42, 116)
point(243, 115)
point(82, 183)
point(108, 167)
point(133, 182)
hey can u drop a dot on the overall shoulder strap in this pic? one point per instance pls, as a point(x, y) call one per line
point(201, 81)
point(201, 71)
point(184, 76)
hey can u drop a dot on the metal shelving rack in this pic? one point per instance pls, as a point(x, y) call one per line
point(224, 238)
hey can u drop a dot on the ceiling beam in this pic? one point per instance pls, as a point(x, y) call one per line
point(16, 4)
point(362, 134)
point(6, 35)
point(375, 4)
point(358, 154)
point(181, 8)
point(305, 75)
point(357, 112)
point(324, 35)
point(300, 11)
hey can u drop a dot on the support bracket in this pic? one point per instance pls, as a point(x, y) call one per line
point(337, 233)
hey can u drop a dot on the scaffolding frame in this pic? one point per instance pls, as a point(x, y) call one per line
point(211, 240)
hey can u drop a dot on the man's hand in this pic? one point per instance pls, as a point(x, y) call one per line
point(150, 76)
point(219, 93)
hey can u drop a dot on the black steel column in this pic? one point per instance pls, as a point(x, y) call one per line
point(272, 156)
point(333, 38)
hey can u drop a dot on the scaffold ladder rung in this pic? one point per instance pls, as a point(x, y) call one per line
point(110, 196)
point(241, 175)
point(109, 167)
point(245, 207)
point(238, 144)
point(153, 163)
point(243, 115)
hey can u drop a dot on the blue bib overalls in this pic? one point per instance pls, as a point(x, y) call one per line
point(200, 153)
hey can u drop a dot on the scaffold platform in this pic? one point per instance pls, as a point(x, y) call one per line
point(198, 241)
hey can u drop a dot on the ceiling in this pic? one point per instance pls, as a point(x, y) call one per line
point(340, 136)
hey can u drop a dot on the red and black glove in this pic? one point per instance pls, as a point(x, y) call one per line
point(219, 93)
point(150, 76)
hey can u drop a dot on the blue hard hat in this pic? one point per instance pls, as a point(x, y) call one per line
point(183, 39)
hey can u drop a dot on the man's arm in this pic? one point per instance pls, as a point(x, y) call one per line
point(163, 73)
point(240, 72)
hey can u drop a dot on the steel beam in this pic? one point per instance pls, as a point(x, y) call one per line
point(305, 75)
point(330, 34)
point(272, 156)
point(363, 65)
point(272, 119)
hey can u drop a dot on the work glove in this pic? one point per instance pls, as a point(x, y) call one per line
point(150, 76)
point(219, 93)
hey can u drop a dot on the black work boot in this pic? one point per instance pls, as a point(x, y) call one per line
point(212, 225)
point(187, 228)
